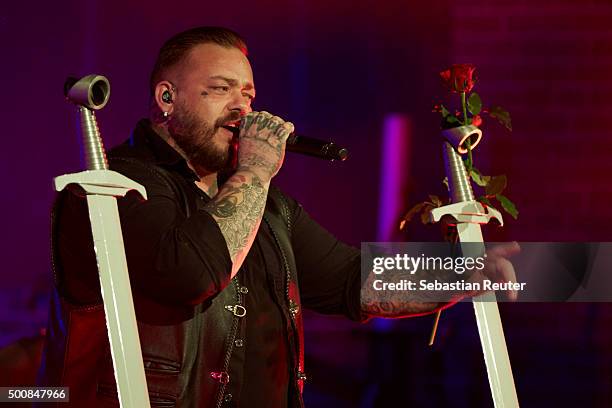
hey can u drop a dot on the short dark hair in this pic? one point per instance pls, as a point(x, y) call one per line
point(176, 48)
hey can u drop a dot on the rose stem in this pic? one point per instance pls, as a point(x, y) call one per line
point(465, 122)
point(435, 328)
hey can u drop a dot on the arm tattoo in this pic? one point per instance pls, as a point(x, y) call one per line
point(238, 208)
point(395, 303)
point(225, 207)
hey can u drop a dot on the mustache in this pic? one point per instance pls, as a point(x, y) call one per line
point(233, 116)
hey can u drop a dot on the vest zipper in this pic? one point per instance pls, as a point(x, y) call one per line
point(230, 347)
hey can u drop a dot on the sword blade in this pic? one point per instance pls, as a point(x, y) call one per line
point(490, 327)
point(118, 304)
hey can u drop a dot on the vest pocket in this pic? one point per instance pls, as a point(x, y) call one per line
point(161, 375)
point(108, 393)
point(159, 365)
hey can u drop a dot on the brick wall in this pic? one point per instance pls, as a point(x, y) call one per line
point(550, 65)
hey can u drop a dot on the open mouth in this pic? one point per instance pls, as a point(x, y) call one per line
point(233, 127)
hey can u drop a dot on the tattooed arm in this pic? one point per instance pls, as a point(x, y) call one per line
point(238, 208)
point(394, 303)
point(239, 205)
point(399, 303)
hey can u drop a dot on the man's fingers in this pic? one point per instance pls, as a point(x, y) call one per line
point(285, 131)
point(501, 270)
point(263, 121)
point(504, 271)
point(505, 250)
point(247, 121)
point(262, 125)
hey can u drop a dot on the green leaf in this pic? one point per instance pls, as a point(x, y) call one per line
point(411, 213)
point(502, 115)
point(485, 200)
point(507, 205)
point(474, 103)
point(451, 119)
point(496, 185)
point(444, 111)
point(468, 165)
point(478, 178)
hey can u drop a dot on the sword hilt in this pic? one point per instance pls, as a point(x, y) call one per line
point(455, 145)
point(464, 207)
point(472, 212)
point(458, 179)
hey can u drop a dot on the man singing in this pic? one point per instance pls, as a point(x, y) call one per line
point(220, 263)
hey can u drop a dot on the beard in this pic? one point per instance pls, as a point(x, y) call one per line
point(196, 138)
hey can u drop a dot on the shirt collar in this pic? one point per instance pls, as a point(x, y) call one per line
point(159, 151)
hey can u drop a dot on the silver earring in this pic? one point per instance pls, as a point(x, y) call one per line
point(165, 114)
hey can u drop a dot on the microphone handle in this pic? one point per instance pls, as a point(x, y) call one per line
point(316, 148)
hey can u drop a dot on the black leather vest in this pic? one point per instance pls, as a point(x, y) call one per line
point(186, 350)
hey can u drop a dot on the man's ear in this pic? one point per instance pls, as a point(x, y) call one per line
point(164, 96)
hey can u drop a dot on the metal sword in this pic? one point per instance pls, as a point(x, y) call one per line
point(101, 187)
point(469, 214)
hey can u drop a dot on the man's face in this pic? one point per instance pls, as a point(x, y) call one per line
point(214, 88)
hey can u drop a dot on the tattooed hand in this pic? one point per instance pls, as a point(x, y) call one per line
point(239, 204)
point(262, 144)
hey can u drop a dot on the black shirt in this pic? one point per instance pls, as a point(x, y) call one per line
point(179, 259)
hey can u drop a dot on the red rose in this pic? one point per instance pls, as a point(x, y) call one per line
point(476, 120)
point(459, 77)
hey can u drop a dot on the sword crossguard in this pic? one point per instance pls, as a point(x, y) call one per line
point(467, 212)
point(100, 182)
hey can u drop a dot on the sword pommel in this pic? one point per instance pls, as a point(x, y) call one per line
point(91, 91)
point(458, 136)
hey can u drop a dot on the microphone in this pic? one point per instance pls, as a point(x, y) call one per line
point(316, 148)
point(306, 145)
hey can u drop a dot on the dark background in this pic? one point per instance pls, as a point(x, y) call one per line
point(337, 69)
